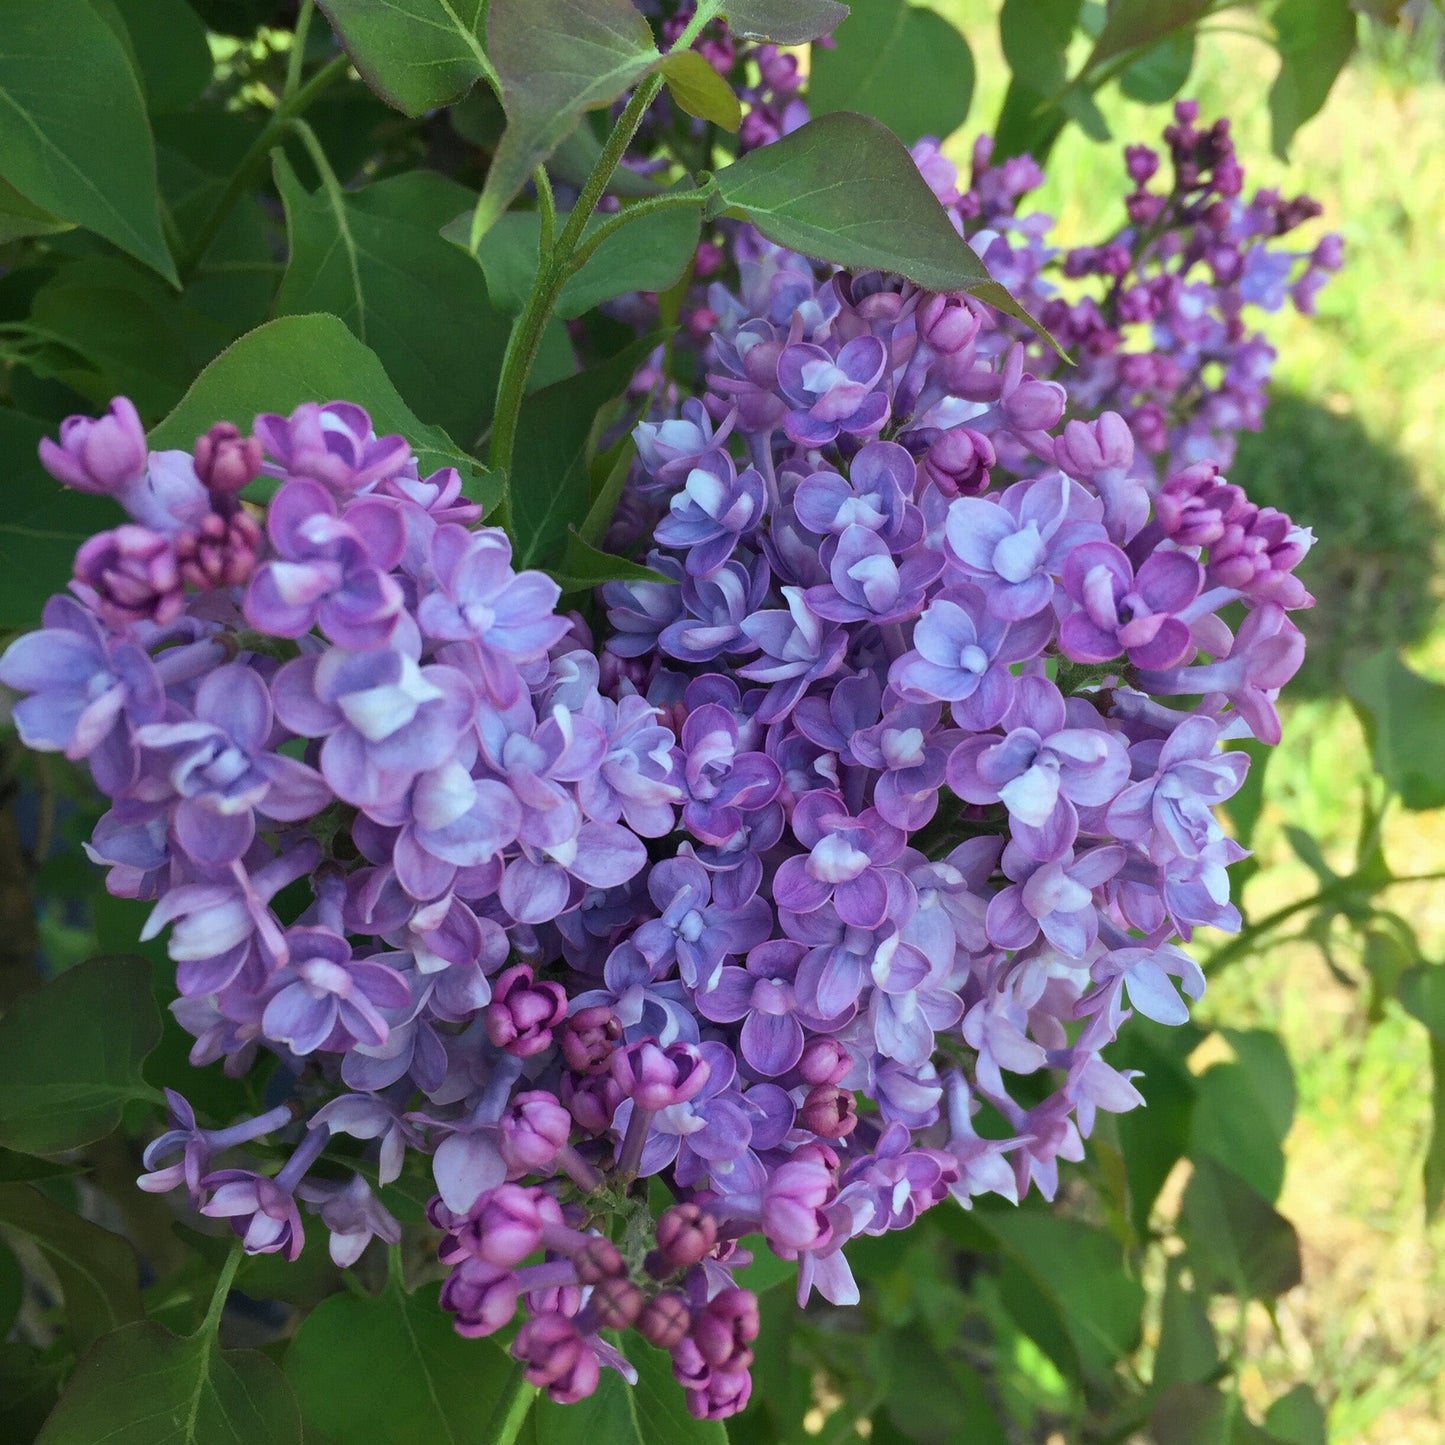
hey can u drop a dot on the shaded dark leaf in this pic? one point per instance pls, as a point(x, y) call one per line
point(415, 54)
point(1187, 1352)
point(789, 22)
point(97, 1270)
point(1244, 1110)
point(880, 42)
point(71, 1054)
point(555, 60)
point(1403, 715)
point(143, 1385)
point(1297, 1418)
point(1314, 38)
point(844, 189)
point(307, 358)
point(82, 152)
point(376, 260)
point(1237, 1241)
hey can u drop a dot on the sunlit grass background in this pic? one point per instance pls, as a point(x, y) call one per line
point(1355, 447)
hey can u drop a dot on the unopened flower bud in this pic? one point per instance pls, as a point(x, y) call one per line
point(589, 1039)
point(226, 461)
point(829, 1112)
point(664, 1320)
point(616, 1302)
point(685, 1235)
point(523, 1013)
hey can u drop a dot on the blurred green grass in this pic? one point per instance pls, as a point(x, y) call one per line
point(1355, 447)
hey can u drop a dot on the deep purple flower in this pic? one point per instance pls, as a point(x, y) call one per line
point(333, 444)
point(714, 611)
point(762, 995)
point(328, 999)
point(876, 495)
point(639, 611)
point(353, 1216)
point(86, 691)
point(723, 782)
point(636, 779)
point(384, 718)
point(692, 930)
point(867, 583)
point(132, 574)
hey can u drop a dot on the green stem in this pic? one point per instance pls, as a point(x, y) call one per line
point(511, 1409)
point(673, 201)
point(547, 211)
point(297, 59)
point(1335, 892)
point(255, 157)
point(526, 335)
point(212, 1321)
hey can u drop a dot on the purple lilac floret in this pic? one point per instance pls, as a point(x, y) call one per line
point(896, 793)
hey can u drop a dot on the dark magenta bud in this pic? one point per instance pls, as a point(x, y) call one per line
point(664, 1319)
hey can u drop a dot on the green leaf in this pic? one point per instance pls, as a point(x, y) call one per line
point(551, 490)
point(1078, 1273)
point(1153, 1139)
point(391, 1368)
point(1137, 24)
point(81, 151)
point(1434, 1166)
point(1298, 1418)
point(1237, 1241)
point(1244, 1110)
point(19, 217)
point(169, 42)
point(1187, 1352)
point(650, 254)
point(1403, 715)
point(135, 334)
point(375, 258)
point(12, 1288)
point(143, 1385)
point(97, 1270)
point(651, 1412)
point(1035, 36)
point(309, 358)
point(1201, 1415)
point(844, 189)
point(70, 1055)
point(28, 1385)
point(415, 54)
point(555, 59)
point(929, 1392)
point(789, 22)
point(1422, 992)
point(1314, 38)
point(22, 1168)
point(700, 90)
point(881, 42)
point(1161, 73)
point(584, 567)
point(41, 526)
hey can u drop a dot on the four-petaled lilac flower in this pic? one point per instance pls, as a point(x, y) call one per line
point(1121, 612)
point(867, 583)
point(830, 394)
point(1054, 898)
point(329, 570)
point(217, 765)
point(846, 864)
point(722, 780)
point(798, 650)
point(693, 930)
point(714, 612)
point(507, 616)
point(636, 779)
point(715, 506)
point(1015, 546)
point(876, 494)
point(384, 718)
point(328, 999)
point(1041, 770)
point(332, 443)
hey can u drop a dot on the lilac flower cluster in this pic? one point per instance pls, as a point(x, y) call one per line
point(1157, 315)
point(872, 814)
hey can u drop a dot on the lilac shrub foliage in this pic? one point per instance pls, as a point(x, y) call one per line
point(813, 888)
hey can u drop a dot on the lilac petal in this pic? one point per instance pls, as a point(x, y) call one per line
point(296, 1017)
point(465, 1166)
point(771, 1043)
point(862, 901)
